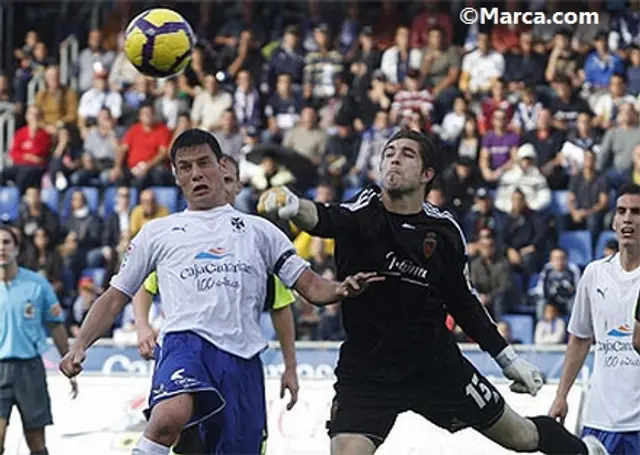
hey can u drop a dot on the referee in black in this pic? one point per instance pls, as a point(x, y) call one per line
point(399, 355)
point(28, 304)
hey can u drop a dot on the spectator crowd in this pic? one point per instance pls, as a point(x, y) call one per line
point(537, 127)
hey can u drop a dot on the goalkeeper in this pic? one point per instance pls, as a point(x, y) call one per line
point(399, 355)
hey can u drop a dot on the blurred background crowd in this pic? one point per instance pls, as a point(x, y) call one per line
point(538, 126)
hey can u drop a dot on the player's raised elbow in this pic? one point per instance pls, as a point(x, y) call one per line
point(315, 289)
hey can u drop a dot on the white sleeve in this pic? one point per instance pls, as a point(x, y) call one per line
point(115, 105)
point(581, 323)
point(499, 64)
point(138, 262)
point(83, 107)
point(415, 59)
point(467, 63)
point(386, 65)
point(280, 255)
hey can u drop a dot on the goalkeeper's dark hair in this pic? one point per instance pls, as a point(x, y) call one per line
point(194, 137)
point(429, 153)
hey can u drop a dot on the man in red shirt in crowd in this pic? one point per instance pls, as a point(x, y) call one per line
point(29, 153)
point(142, 159)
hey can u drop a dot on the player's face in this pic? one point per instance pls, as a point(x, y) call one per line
point(231, 183)
point(401, 168)
point(199, 176)
point(626, 221)
point(8, 250)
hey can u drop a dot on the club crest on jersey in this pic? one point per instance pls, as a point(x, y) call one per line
point(29, 310)
point(237, 224)
point(56, 310)
point(429, 244)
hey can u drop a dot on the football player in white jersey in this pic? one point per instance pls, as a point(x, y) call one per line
point(604, 312)
point(212, 262)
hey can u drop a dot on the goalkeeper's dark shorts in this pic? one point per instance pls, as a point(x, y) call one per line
point(453, 400)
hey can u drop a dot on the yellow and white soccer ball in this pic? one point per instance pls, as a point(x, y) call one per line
point(159, 43)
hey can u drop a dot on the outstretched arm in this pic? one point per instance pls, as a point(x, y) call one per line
point(307, 216)
point(466, 308)
point(142, 302)
point(287, 206)
point(284, 326)
point(322, 220)
point(137, 263)
point(101, 317)
point(575, 355)
point(469, 313)
point(320, 292)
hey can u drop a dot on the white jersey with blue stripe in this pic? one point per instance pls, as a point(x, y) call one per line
point(604, 310)
point(212, 273)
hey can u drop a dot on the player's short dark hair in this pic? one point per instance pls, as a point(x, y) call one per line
point(193, 137)
point(232, 160)
point(9, 230)
point(629, 188)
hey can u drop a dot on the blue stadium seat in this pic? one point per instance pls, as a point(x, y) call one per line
point(109, 199)
point(167, 196)
point(533, 282)
point(9, 203)
point(522, 326)
point(51, 198)
point(578, 244)
point(90, 193)
point(559, 203)
point(612, 199)
point(350, 193)
point(96, 274)
point(603, 238)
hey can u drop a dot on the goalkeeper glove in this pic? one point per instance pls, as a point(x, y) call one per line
point(280, 200)
point(525, 376)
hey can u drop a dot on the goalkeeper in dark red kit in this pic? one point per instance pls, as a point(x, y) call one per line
point(399, 355)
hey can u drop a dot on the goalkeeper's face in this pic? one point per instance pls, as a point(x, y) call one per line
point(402, 168)
point(199, 175)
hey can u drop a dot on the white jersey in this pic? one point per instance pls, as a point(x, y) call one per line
point(212, 273)
point(604, 310)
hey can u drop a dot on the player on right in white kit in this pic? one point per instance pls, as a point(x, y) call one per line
point(212, 263)
point(604, 312)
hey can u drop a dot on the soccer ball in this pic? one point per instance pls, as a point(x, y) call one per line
point(159, 43)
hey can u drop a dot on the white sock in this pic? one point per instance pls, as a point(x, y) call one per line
point(148, 447)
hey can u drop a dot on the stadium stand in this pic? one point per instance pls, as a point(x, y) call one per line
point(319, 124)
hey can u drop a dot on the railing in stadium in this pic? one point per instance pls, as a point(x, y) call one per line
point(7, 128)
point(69, 49)
point(35, 85)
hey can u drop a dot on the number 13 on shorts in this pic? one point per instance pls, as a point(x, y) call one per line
point(480, 393)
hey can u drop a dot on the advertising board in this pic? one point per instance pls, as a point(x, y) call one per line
point(315, 360)
point(106, 419)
